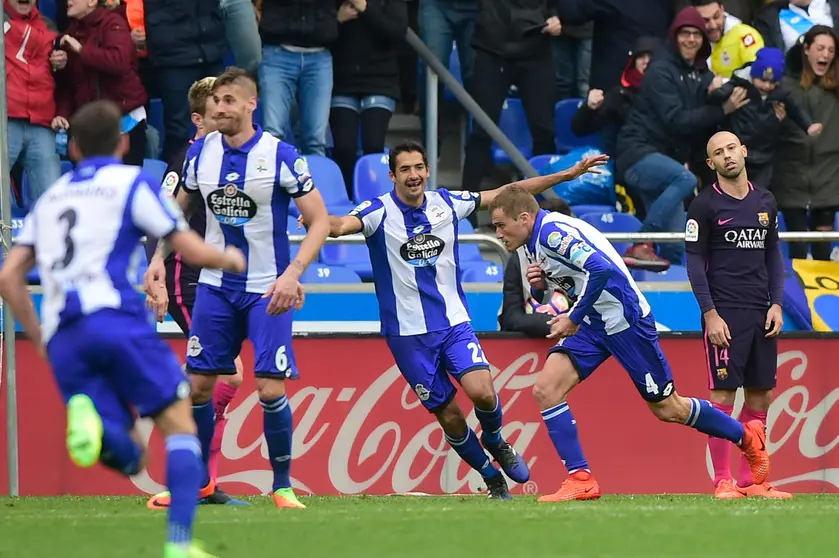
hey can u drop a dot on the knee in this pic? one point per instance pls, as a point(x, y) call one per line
point(201, 388)
point(485, 400)
point(452, 420)
point(673, 409)
point(270, 388)
point(549, 394)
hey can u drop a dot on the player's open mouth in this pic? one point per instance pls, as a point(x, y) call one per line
point(414, 183)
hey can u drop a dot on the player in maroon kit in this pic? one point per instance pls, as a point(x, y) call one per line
point(737, 274)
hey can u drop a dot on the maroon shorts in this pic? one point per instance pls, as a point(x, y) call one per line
point(751, 360)
point(181, 282)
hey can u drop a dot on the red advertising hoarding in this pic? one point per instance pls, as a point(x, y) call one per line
point(360, 429)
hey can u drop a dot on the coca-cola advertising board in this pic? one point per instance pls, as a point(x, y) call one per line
point(360, 429)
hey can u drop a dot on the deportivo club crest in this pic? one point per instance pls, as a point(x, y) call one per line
point(763, 219)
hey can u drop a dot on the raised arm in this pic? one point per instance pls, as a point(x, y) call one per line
point(13, 289)
point(538, 184)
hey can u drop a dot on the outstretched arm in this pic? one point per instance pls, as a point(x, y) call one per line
point(539, 184)
point(13, 289)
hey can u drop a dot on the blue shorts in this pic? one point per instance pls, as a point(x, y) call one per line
point(636, 349)
point(118, 361)
point(426, 360)
point(222, 320)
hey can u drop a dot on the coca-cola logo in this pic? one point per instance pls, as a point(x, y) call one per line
point(795, 416)
point(359, 448)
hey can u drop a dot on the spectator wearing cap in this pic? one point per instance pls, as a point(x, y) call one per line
point(102, 64)
point(783, 22)
point(758, 123)
point(366, 84)
point(669, 117)
point(733, 43)
point(29, 94)
point(805, 181)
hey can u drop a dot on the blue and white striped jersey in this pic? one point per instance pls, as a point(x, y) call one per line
point(246, 191)
point(415, 258)
point(566, 248)
point(86, 231)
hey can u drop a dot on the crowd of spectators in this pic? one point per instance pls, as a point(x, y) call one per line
point(657, 78)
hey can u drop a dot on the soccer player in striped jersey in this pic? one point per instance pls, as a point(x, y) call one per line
point(107, 359)
point(182, 280)
point(412, 238)
point(247, 179)
point(610, 318)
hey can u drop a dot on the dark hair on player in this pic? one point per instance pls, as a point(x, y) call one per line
point(556, 205)
point(405, 147)
point(96, 129)
point(233, 75)
point(513, 201)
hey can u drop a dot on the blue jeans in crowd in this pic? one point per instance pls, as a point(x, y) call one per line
point(242, 33)
point(34, 147)
point(663, 185)
point(288, 78)
point(572, 58)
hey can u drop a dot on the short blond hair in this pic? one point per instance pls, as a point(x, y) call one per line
point(513, 201)
point(200, 91)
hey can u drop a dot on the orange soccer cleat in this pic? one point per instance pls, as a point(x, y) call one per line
point(162, 500)
point(727, 490)
point(765, 490)
point(754, 450)
point(579, 486)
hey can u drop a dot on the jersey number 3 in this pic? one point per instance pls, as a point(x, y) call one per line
point(69, 219)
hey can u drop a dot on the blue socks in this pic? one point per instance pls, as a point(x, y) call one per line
point(276, 419)
point(562, 428)
point(491, 423)
point(713, 422)
point(119, 451)
point(183, 477)
point(470, 450)
point(204, 415)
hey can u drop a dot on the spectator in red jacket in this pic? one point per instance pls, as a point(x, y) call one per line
point(102, 64)
point(29, 93)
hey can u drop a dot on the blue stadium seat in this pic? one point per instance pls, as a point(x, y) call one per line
point(513, 122)
point(352, 256)
point(675, 273)
point(613, 223)
point(330, 182)
point(482, 272)
point(566, 140)
point(317, 273)
point(155, 168)
point(469, 251)
point(580, 210)
point(155, 119)
point(371, 177)
point(48, 9)
point(541, 162)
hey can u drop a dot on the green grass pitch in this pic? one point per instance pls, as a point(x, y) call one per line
point(433, 527)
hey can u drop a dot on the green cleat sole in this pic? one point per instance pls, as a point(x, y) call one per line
point(84, 431)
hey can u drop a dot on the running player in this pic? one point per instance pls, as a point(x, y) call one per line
point(84, 235)
point(412, 238)
point(247, 179)
point(610, 317)
point(736, 270)
point(182, 278)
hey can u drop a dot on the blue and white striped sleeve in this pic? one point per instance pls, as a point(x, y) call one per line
point(26, 236)
point(569, 249)
point(464, 203)
point(293, 172)
point(154, 211)
point(370, 213)
point(190, 172)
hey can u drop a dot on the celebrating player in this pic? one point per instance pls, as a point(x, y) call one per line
point(736, 271)
point(610, 317)
point(107, 360)
point(182, 279)
point(247, 179)
point(412, 238)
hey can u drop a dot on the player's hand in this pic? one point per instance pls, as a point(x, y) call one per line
point(536, 277)
point(300, 223)
point(158, 301)
point(815, 130)
point(774, 321)
point(155, 274)
point(739, 98)
point(562, 326)
point(717, 330)
point(235, 260)
point(588, 164)
point(283, 293)
point(301, 297)
point(41, 350)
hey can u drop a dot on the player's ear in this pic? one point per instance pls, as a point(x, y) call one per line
point(710, 164)
point(73, 150)
point(745, 151)
point(197, 120)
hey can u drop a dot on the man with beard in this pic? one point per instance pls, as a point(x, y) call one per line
point(737, 274)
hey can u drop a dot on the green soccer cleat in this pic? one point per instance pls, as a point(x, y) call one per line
point(172, 550)
point(84, 431)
